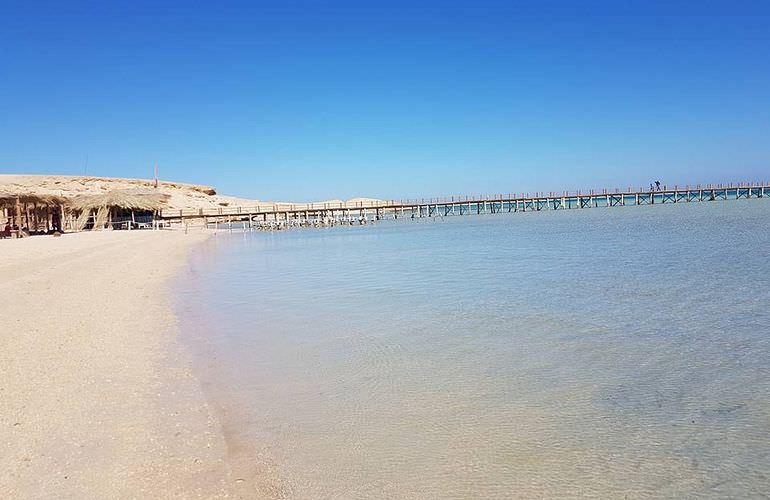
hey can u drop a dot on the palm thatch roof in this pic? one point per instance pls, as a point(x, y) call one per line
point(125, 199)
point(8, 199)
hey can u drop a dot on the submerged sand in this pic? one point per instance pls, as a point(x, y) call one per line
point(97, 399)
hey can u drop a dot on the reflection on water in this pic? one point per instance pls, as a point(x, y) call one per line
point(607, 352)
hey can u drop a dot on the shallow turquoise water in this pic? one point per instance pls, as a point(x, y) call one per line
point(600, 352)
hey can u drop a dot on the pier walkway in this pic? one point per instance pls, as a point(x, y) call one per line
point(274, 215)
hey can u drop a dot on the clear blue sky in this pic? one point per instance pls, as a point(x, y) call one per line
point(325, 99)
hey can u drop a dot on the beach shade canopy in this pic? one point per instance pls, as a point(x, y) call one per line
point(32, 212)
point(138, 200)
point(9, 199)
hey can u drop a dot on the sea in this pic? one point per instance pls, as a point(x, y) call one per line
point(596, 353)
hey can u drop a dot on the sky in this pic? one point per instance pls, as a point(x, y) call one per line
point(315, 100)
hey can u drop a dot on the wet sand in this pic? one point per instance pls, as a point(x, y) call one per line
point(97, 398)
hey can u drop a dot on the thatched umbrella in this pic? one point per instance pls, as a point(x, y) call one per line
point(106, 205)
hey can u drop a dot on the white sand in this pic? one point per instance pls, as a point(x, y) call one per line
point(97, 398)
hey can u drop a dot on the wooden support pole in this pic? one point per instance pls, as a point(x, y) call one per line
point(17, 215)
point(35, 218)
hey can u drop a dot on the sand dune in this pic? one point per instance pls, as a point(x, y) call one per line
point(181, 196)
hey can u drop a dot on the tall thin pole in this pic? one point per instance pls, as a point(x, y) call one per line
point(156, 175)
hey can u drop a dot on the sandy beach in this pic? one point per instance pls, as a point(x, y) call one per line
point(97, 398)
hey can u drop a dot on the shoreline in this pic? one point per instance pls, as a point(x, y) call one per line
point(97, 395)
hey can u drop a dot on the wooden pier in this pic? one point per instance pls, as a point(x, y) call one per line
point(283, 215)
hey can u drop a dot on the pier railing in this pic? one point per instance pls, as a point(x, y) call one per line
point(272, 208)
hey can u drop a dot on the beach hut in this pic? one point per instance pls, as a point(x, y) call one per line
point(117, 209)
point(32, 213)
